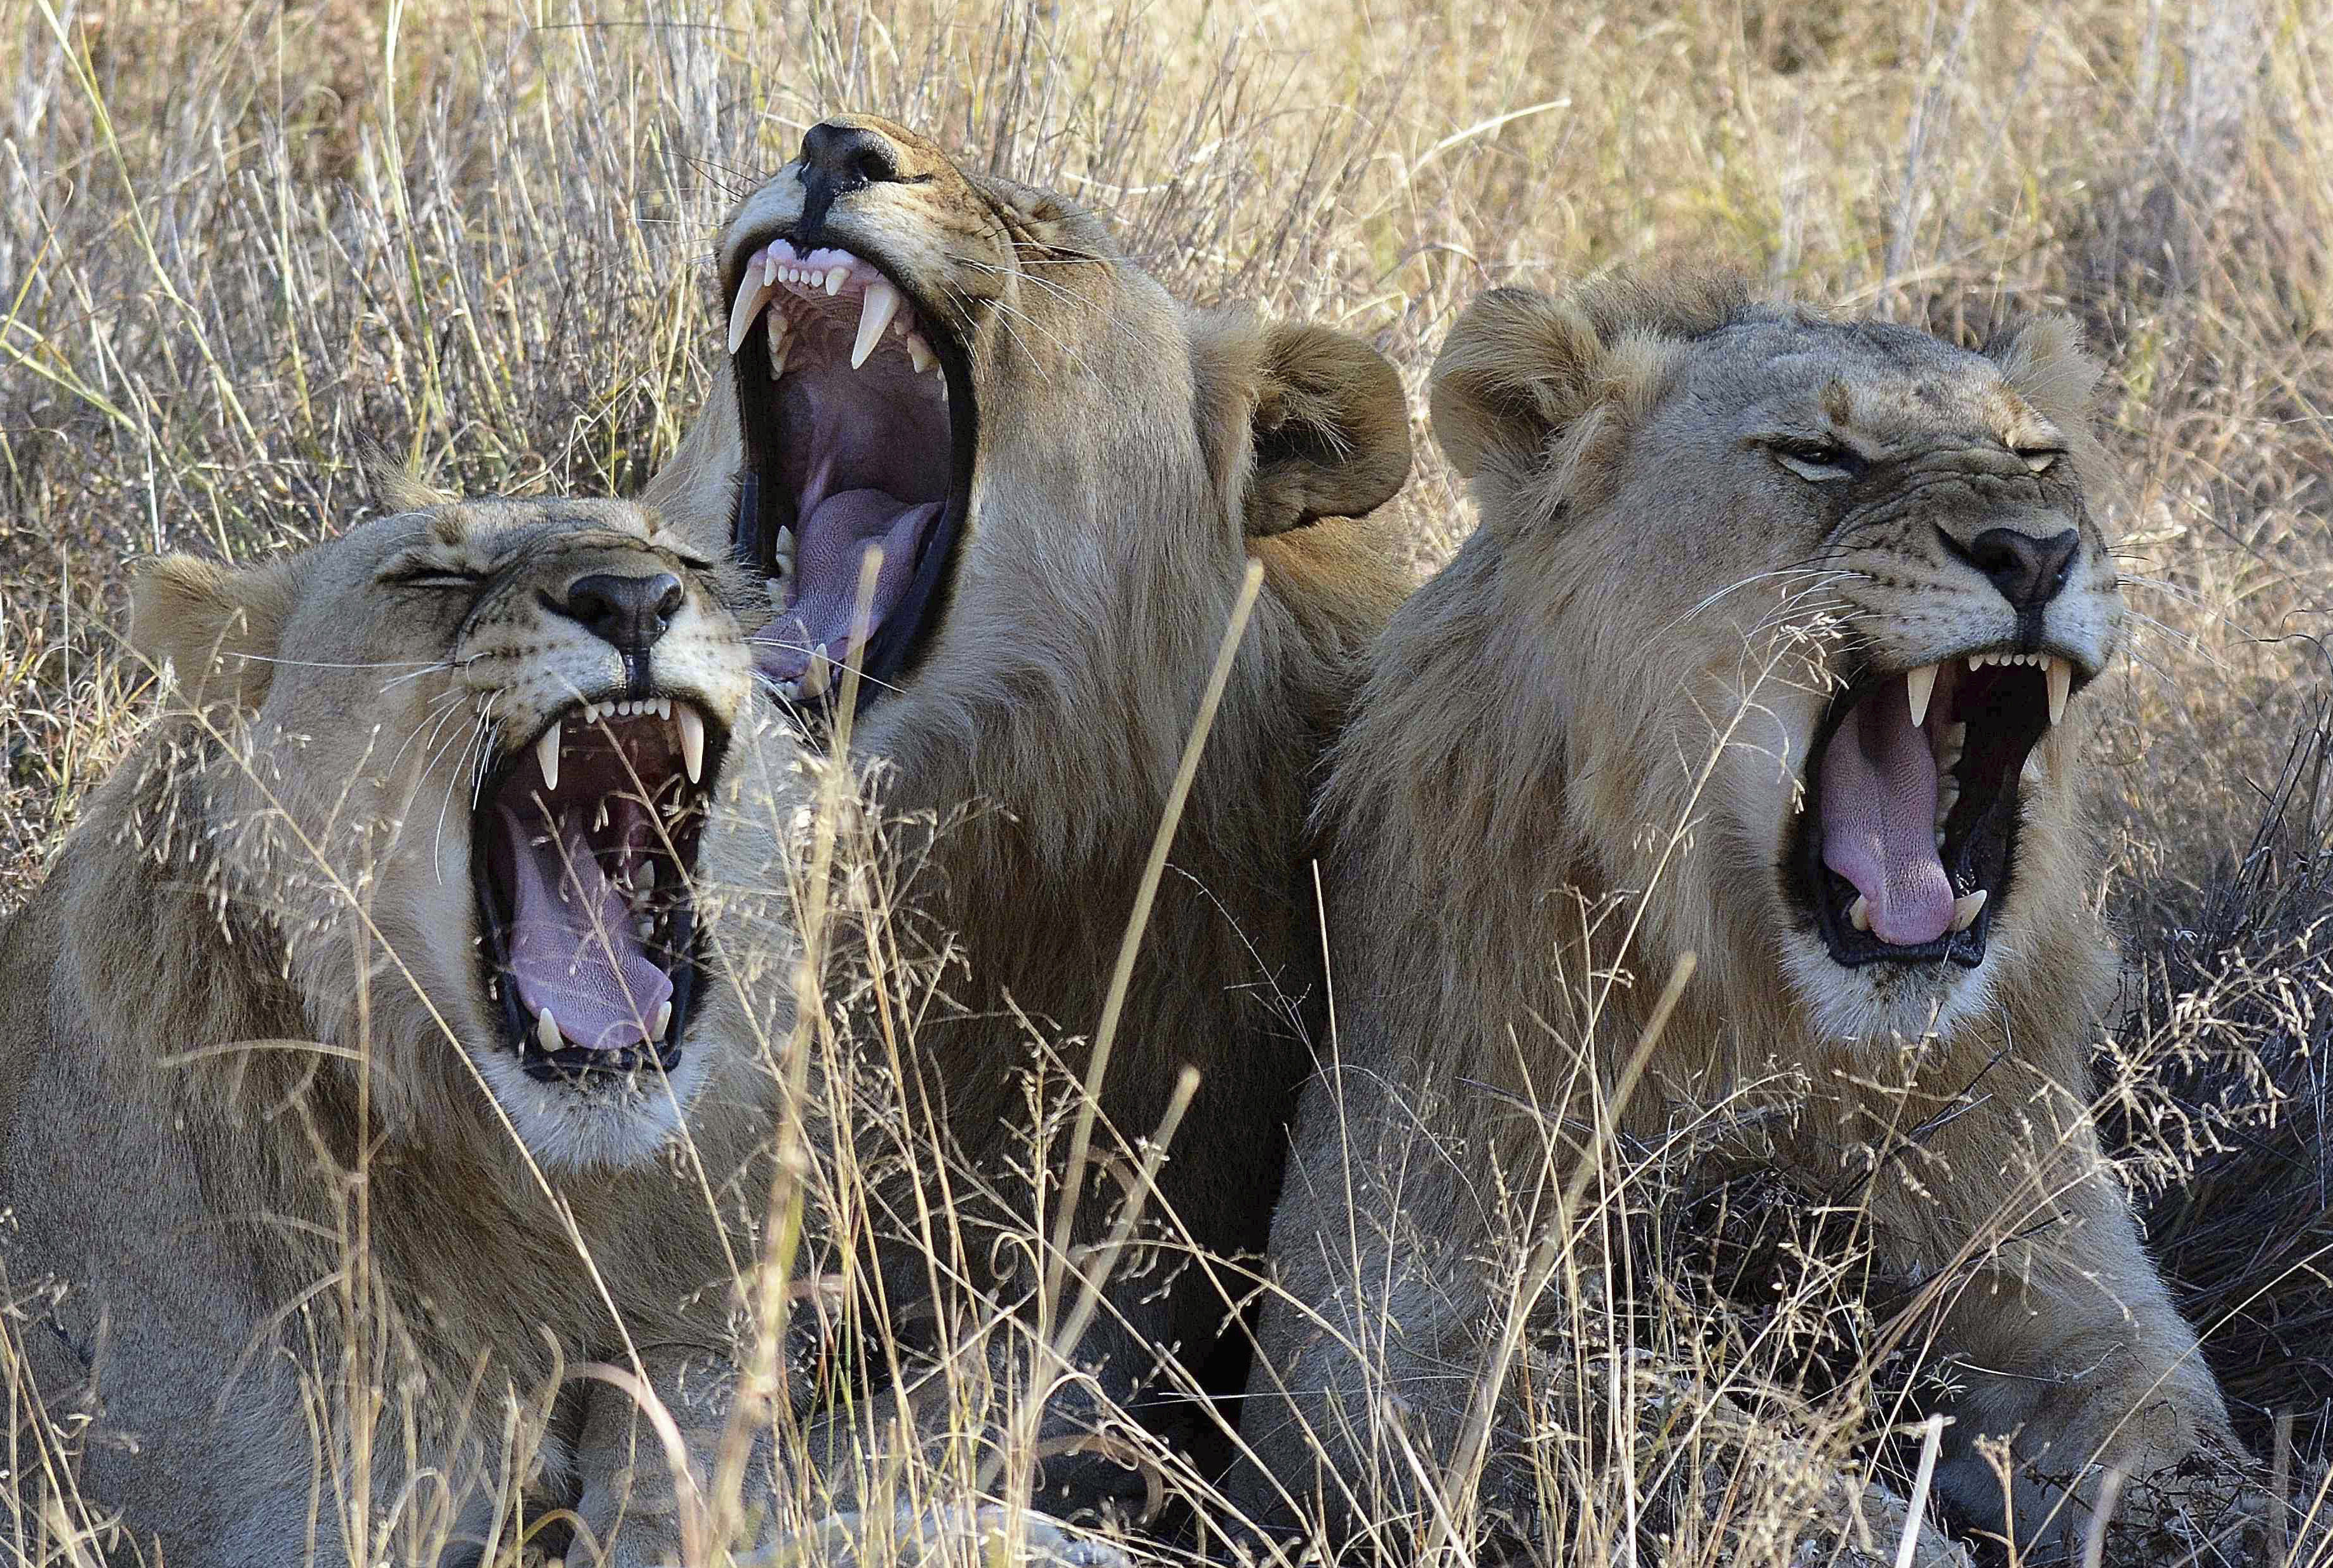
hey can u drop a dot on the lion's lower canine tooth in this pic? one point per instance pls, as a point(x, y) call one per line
point(877, 306)
point(2059, 673)
point(691, 724)
point(546, 1031)
point(546, 754)
point(1965, 909)
point(1919, 684)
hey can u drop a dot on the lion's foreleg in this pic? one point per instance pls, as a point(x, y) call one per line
point(2071, 1351)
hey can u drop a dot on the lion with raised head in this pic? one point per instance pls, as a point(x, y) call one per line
point(1762, 685)
point(1060, 474)
point(368, 1072)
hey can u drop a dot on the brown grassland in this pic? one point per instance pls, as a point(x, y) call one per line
point(240, 245)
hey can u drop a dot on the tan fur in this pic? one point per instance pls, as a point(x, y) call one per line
point(1134, 455)
point(281, 1208)
point(1640, 639)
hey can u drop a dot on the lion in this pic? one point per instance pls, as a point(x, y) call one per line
point(368, 1076)
point(1055, 477)
point(1750, 725)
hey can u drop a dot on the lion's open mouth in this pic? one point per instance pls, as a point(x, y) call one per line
point(584, 857)
point(858, 418)
point(1908, 846)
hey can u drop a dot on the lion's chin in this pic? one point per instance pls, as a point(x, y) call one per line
point(607, 1124)
point(1882, 1005)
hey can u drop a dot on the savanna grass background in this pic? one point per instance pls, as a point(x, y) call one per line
point(240, 246)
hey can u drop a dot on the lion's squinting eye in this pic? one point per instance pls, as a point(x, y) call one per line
point(457, 578)
point(2041, 459)
point(1818, 461)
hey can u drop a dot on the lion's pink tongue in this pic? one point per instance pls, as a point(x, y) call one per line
point(1879, 819)
point(576, 954)
point(834, 537)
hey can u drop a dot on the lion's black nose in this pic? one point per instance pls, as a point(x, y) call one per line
point(628, 612)
point(838, 159)
point(2028, 571)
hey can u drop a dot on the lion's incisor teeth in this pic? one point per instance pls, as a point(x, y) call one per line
point(546, 1031)
point(546, 754)
point(877, 306)
point(2059, 673)
point(1965, 909)
point(1919, 684)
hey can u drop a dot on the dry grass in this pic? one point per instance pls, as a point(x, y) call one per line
point(239, 245)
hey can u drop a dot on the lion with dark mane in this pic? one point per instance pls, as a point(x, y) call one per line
point(1763, 687)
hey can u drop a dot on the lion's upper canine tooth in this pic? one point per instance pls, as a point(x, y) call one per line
point(546, 1031)
point(1965, 909)
point(876, 304)
point(1859, 913)
point(752, 294)
point(2059, 673)
point(546, 753)
point(662, 1020)
point(1919, 684)
point(692, 741)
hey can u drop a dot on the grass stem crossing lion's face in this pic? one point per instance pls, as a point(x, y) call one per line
point(478, 742)
point(1873, 557)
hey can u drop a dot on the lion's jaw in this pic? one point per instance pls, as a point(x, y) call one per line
point(517, 848)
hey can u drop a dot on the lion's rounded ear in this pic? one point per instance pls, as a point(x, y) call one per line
point(1515, 371)
point(1329, 434)
point(217, 625)
point(1521, 373)
point(2043, 361)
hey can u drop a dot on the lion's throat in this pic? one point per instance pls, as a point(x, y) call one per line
point(1879, 819)
point(572, 948)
